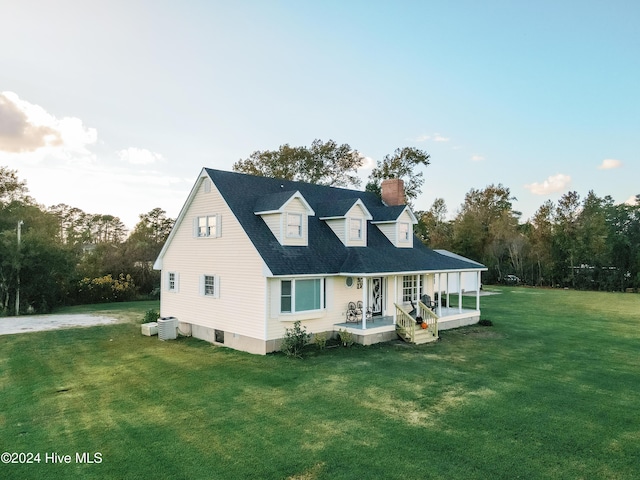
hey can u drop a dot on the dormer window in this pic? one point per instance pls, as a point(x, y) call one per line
point(404, 230)
point(287, 216)
point(294, 225)
point(355, 229)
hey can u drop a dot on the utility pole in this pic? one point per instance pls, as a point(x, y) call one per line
point(18, 272)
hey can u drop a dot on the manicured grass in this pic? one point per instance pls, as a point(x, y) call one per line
point(550, 391)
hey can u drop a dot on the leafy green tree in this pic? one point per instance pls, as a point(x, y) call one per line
point(143, 246)
point(401, 164)
point(484, 226)
point(12, 188)
point(541, 237)
point(433, 228)
point(565, 245)
point(323, 163)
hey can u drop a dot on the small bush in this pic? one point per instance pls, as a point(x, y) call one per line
point(346, 338)
point(150, 316)
point(485, 322)
point(295, 340)
point(320, 339)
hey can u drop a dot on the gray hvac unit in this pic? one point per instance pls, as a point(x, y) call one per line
point(167, 328)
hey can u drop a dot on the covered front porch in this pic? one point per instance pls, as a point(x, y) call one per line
point(383, 303)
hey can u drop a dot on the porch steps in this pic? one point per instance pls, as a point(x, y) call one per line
point(420, 337)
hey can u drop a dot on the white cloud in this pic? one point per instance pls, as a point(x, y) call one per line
point(26, 128)
point(555, 183)
point(631, 200)
point(436, 137)
point(477, 158)
point(609, 163)
point(368, 163)
point(139, 156)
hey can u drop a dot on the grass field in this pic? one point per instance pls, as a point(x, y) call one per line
point(550, 391)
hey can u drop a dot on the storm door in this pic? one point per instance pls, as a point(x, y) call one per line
point(375, 295)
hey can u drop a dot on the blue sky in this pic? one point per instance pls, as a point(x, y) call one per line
point(115, 106)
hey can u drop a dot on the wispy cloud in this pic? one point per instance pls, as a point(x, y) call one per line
point(609, 163)
point(554, 183)
point(477, 158)
point(422, 138)
point(436, 137)
point(139, 156)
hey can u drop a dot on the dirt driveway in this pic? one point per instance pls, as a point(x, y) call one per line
point(37, 323)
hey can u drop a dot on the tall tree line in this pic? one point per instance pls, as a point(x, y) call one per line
point(588, 243)
point(63, 255)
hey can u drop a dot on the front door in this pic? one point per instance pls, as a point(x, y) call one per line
point(375, 296)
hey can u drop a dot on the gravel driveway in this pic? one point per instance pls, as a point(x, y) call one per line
point(37, 323)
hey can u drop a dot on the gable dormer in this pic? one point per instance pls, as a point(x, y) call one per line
point(287, 216)
point(348, 220)
point(396, 223)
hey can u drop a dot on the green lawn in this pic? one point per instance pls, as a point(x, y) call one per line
point(550, 391)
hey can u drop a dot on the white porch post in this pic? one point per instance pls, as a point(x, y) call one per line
point(439, 294)
point(395, 299)
point(448, 303)
point(365, 302)
point(459, 292)
point(478, 292)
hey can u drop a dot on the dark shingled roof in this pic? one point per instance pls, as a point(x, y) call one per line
point(325, 254)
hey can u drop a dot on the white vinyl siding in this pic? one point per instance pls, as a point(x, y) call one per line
point(232, 258)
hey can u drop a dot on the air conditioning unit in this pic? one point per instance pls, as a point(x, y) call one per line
point(167, 328)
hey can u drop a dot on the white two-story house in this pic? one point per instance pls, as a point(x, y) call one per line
point(248, 256)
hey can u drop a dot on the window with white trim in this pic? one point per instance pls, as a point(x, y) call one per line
point(294, 225)
point(172, 281)
point(355, 229)
point(301, 295)
point(210, 286)
point(404, 232)
point(207, 226)
point(411, 288)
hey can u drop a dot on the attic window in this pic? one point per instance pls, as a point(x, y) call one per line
point(355, 228)
point(404, 232)
point(294, 225)
point(207, 185)
point(207, 226)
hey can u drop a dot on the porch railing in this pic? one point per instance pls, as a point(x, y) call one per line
point(430, 317)
point(407, 324)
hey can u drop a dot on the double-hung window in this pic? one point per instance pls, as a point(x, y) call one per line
point(404, 232)
point(207, 226)
point(172, 281)
point(294, 225)
point(301, 295)
point(355, 229)
point(210, 286)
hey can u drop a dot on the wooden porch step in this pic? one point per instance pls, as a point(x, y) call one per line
point(421, 336)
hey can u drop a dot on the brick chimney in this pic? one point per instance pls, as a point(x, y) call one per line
point(393, 192)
